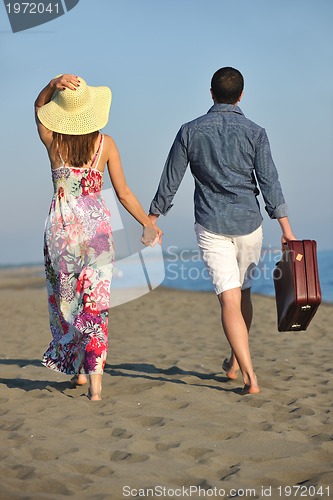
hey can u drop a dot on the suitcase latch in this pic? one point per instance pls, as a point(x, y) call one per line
point(304, 308)
point(296, 325)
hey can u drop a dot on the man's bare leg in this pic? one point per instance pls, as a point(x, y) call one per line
point(231, 366)
point(236, 331)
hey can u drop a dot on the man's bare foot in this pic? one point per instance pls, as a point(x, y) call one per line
point(229, 371)
point(250, 389)
point(79, 380)
point(250, 385)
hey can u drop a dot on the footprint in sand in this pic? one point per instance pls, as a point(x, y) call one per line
point(233, 435)
point(175, 404)
point(198, 453)
point(227, 473)
point(321, 438)
point(283, 417)
point(4, 454)
point(179, 406)
point(131, 458)
point(44, 455)
point(167, 446)
point(21, 471)
point(9, 425)
point(121, 433)
point(93, 470)
point(300, 412)
point(265, 426)
point(18, 439)
point(255, 403)
point(151, 421)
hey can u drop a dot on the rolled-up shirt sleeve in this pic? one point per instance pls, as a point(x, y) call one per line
point(172, 175)
point(268, 179)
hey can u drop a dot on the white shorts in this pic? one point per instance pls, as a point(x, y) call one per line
point(230, 260)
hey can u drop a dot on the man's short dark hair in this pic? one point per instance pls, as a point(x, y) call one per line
point(227, 85)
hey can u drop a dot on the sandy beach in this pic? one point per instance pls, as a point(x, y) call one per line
point(170, 424)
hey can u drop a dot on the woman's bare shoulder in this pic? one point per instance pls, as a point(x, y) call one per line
point(109, 140)
point(109, 143)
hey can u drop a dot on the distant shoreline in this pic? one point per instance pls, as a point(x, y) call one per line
point(182, 273)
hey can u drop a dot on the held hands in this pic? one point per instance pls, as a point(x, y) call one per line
point(151, 235)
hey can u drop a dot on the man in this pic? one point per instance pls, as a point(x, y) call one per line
point(228, 156)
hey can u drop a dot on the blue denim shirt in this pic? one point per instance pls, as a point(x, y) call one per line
point(229, 156)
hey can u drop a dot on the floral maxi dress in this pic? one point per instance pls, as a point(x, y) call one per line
point(78, 251)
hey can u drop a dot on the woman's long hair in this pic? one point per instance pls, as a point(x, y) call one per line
point(74, 150)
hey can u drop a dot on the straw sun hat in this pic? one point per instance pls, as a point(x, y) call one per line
point(77, 112)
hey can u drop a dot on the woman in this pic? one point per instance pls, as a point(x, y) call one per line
point(78, 246)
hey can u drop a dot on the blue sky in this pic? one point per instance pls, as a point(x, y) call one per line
point(158, 58)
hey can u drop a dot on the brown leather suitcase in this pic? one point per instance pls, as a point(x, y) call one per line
point(297, 287)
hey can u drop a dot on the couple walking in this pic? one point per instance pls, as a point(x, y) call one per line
point(228, 156)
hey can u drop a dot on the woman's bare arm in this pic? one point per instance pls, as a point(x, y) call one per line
point(59, 83)
point(124, 194)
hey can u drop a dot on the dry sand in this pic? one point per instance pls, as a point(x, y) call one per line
point(169, 417)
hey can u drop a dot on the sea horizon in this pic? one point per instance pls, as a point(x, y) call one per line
point(184, 270)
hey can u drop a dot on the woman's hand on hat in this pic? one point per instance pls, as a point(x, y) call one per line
point(63, 82)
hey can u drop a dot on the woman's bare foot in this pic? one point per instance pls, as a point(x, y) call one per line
point(230, 372)
point(79, 380)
